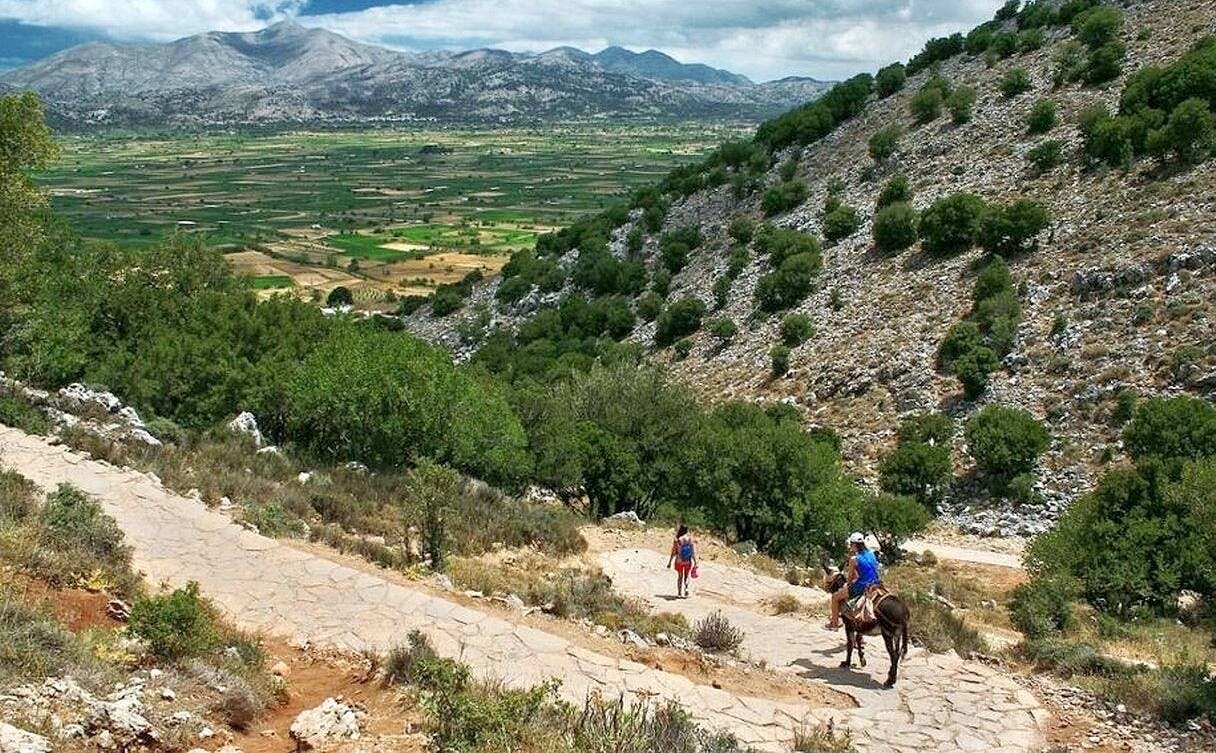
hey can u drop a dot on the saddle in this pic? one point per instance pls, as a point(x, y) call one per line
point(863, 609)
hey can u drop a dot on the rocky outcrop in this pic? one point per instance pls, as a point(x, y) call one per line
point(332, 721)
point(15, 740)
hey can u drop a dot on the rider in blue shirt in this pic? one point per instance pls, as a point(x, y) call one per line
point(863, 572)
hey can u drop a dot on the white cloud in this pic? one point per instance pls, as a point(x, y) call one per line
point(150, 19)
point(823, 38)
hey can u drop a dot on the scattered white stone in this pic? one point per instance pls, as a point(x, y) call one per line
point(628, 516)
point(630, 638)
point(247, 423)
point(167, 694)
point(124, 718)
point(304, 477)
point(332, 720)
point(78, 395)
point(15, 740)
point(270, 450)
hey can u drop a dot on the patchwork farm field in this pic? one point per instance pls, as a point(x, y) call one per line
point(385, 213)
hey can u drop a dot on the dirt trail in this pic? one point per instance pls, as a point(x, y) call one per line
point(942, 702)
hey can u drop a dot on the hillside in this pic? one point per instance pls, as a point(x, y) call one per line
point(1118, 294)
point(287, 73)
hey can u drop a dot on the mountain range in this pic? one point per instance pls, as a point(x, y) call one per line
point(288, 73)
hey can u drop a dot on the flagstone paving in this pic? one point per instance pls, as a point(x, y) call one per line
point(943, 703)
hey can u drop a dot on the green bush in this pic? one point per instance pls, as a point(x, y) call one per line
point(724, 329)
point(890, 79)
point(176, 625)
point(1012, 229)
point(840, 223)
point(1015, 82)
point(408, 400)
point(895, 228)
point(340, 296)
point(780, 244)
point(936, 50)
point(737, 262)
point(974, 368)
point(1031, 40)
point(17, 498)
point(73, 519)
point(678, 320)
point(885, 142)
point(927, 428)
point(1099, 26)
point(796, 329)
point(1005, 442)
point(783, 198)
point(1189, 134)
point(1043, 606)
point(648, 306)
point(714, 633)
point(1172, 428)
point(961, 103)
point(789, 284)
point(1046, 156)
point(896, 191)
point(721, 291)
point(918, 470)
point(1105, 63)
point(951, 225)
point(779, 358)
point(1042, 117)
point(926, 105)
point(17, 412)
point(742, 229)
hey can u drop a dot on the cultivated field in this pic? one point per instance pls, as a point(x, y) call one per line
point(385, 213)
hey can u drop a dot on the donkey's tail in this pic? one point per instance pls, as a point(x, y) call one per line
point(904, 650)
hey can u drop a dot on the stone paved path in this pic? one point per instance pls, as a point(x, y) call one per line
point(264, 585)
point(942, 703)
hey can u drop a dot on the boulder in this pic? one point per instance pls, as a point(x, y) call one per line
point(77, 395)
point(629, 517)
point(246, 423)
point(15, 740)
point(329, 722)
point(123, 718)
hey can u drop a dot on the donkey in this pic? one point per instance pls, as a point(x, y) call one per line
point(891, 619)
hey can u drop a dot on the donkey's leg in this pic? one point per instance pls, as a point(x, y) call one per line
point(893, 649)
point(848, 645)
point(861, 649)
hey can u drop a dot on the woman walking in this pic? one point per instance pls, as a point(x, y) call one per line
point(684, 555)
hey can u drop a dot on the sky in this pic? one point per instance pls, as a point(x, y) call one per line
point(763, 39)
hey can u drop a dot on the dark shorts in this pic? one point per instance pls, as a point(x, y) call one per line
point(856, 589)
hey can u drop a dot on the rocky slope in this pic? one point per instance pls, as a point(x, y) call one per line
point(289, 73)
point(1121, 294)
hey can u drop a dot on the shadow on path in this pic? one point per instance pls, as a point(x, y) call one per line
point(837, 676)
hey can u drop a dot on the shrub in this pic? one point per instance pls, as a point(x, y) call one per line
point(822, 738)
point(895, 228)
point(615, 725)
point(715, 633)
point(935, 51)
point(1031, 40)
point(74, 520)
point(176, 625)
point(783, 198)
point(648, 306)
point(17, 498)
point(780, 360)
point(1042, 117)
point(1043, 606)
point(1005, 442)
point(780, 244)
point(961, 103)
point(17, 412)
point(951, 224)
point(1172, 428)
point(1015, 82)
point(737, 262)
point(1189, 135)
point(796, 329)
point(678, 320)
point(1003, 44)
point(1046, 156)
point(1012, 229)
point(724, 329)
point(721, 291)
point(897, 190)
point(407, 399)
point(787, 286)
point(840, 223)
point(974, 368)
point(1105, 63)
point(445, 300)
point(742, 229)
point(917, 470)
point(884, 143)
point(682, 349)
point(926, 105)
point(1099, 26)
point(403, 664)
point(340, 296)
point(674, 255)
point(890, 79)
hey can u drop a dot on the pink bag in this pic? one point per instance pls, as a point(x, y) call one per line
point(693, 574)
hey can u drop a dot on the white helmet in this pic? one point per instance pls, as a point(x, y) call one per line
point(857, 538)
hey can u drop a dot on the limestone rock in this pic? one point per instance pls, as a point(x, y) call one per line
point(331, 721)
point(15, 740)
point(246, 423)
